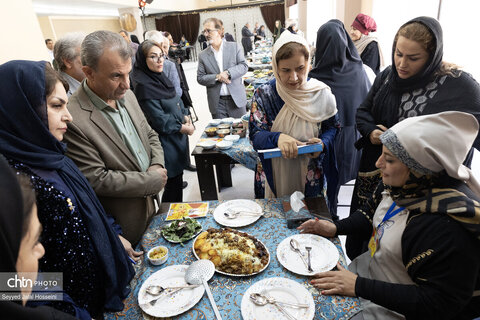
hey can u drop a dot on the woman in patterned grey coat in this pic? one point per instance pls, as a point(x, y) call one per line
point(418, 82)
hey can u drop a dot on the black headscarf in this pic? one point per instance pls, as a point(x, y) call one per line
point(25, 137)
point(338, 65)
point(433, 64)
point(11, 217)
point(148, 84)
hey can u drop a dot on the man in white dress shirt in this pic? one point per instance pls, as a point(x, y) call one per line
point(220, 68)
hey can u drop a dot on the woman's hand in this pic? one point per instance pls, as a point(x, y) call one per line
point(288, 146)
point(375, 134)
point(187, 128)
point(315, 154)
point(135, 255)
point(321, 227)
point(341, 282)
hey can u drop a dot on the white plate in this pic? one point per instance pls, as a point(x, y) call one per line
point(173, 304)
point(227, 120)
point(234, 274)
point(214, 122)
point(324, 254)
point(207, 144)
point(281, 289)
point(232, 137)
point(224, 144)
point(236, 206)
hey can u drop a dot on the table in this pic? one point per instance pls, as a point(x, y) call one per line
point(241, 152)
point(228, 291)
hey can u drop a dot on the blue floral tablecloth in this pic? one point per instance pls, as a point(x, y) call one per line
point(241, 151)
point(228, 291)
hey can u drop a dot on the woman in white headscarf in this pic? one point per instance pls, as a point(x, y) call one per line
point(423, 260)
point(288, 112)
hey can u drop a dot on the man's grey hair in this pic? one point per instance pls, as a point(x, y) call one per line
point(68, 48)
point(97, 42)
point(155, 36)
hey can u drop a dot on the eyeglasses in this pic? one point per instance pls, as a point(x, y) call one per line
point(209, 30)
point(158, 58)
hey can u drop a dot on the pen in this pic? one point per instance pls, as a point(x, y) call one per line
point(131, 260)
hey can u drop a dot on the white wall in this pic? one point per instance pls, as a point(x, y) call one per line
point(21, 36)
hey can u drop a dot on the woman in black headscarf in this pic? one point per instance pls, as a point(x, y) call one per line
point(338, 65)
point(20, 249)
point(80, 240)
point(165, 113)
point(418, 82)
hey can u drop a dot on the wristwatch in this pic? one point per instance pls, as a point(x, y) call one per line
point(229, 75)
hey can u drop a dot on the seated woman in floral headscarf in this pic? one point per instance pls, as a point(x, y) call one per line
point(288, 112)
point(423, 260)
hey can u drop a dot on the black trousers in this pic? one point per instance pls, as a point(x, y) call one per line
point(173, 189)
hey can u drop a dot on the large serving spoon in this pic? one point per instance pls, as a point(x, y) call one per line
point(272, 300)
point(156, 290)
point(261, 300)
point(199, 273)
point(296, 247)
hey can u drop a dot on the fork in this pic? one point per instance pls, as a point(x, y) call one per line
point(308, 257)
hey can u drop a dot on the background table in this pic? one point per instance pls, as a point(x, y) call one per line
point(241, 152)
point(228, 291)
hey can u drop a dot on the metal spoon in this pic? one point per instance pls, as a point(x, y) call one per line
point(234, 214)
point(272, 300)
point(155, 290)
point(261, 300)
point(199, 273)
point(296, 247)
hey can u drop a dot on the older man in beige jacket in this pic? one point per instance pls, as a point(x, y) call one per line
point(110, 139)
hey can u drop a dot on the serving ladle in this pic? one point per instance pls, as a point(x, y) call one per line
point(198, 273)
point(296, 247)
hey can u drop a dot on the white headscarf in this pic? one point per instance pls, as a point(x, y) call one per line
point(305, 108)
point(433, 143)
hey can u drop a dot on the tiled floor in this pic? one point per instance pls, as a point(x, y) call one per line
point(242, 178)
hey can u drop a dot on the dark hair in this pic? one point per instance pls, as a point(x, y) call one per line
point(51, 79)
point(148, 44)
point(28, 199)
point(166, 34)
point(289, 49)
point(134, 38)
point(47, 40)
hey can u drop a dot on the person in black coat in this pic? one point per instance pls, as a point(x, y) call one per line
point(246, 39)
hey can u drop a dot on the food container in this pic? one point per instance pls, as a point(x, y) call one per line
point(158, 255)
point(223, 126)
point(237, 123)
point(245, 120)
point(214, 122)
point(232, 137)
point(240, 132)
point(224, 144)
point(211, 132)
point(227, 120)
point(207, 144)
point(223, 132)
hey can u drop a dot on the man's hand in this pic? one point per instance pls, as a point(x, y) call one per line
point(288, 146)
point(161, 170)
point(223, 77)
point(135, 255)
point(187, 128)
